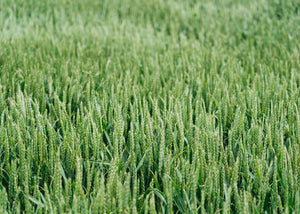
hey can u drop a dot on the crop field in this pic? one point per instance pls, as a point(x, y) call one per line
point(149, 106)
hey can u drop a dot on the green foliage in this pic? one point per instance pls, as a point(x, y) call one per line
point(137, 106)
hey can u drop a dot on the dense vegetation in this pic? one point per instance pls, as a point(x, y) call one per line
point(137, 106)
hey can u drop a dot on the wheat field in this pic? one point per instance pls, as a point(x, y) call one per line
point(149, 106)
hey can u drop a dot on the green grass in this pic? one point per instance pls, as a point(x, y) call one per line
point(138, 106)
